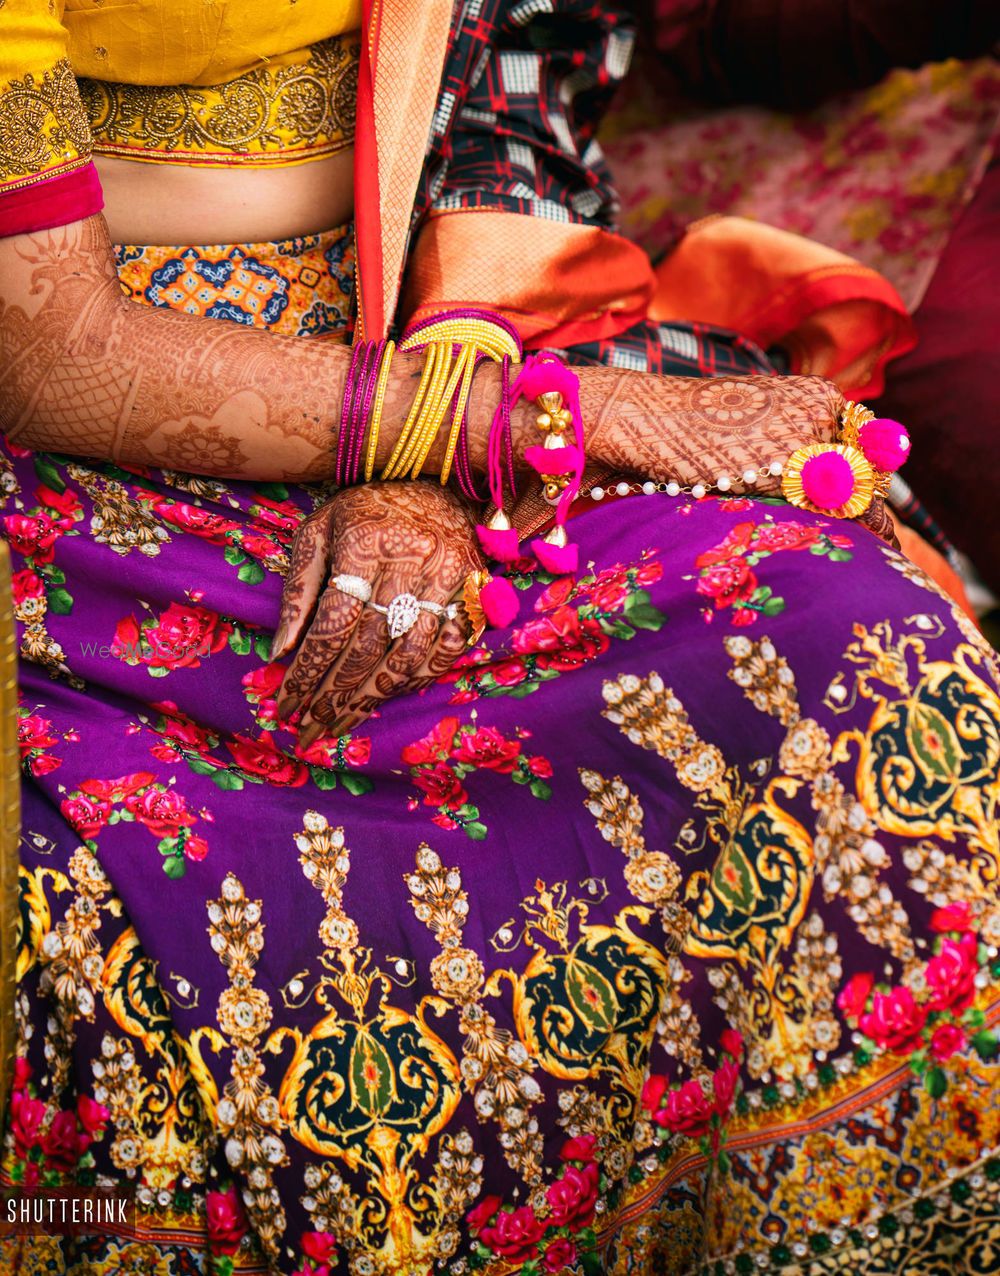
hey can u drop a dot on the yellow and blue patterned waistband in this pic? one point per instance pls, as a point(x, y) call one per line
point(297, 287)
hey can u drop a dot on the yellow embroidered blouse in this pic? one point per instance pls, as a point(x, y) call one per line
point(218, 82)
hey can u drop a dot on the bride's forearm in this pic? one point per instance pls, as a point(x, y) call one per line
point(86, 372)
point(694, 430)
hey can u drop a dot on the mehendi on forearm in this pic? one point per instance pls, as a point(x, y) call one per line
point(87, 372)
point(693, 430)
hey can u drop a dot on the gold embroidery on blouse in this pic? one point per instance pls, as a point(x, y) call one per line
point(301, 110)
point(42, 124)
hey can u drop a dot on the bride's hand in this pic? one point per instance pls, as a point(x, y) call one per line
point(403, 538)
point(694, 429)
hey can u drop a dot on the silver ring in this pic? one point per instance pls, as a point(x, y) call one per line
point(404, 610)
point(354, 586)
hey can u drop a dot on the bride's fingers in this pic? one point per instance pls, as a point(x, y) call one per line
point(332, 630)
point(450, 641)
point(393, 674)
point(341, 680)
point(357, 659)
point(409, 662)
point(304, 580)
point(446, 644)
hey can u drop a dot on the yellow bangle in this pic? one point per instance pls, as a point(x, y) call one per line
point(393, 467)
point(446, 378)
point(431, 414)
point(436, 419)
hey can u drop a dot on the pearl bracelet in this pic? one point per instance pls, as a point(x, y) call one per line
point(723, 483)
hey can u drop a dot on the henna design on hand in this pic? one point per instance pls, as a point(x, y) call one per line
point(878, 520)
point(693, 429)
point(84, 370)
point(405, 537)
point(87, 372)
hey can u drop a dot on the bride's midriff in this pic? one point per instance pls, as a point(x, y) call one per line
point(181, 204)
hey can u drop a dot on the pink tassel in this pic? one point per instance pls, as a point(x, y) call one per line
point(545, 374)
point(499, 544)
point(499, 601)
point(560, 560)
point(554, 460)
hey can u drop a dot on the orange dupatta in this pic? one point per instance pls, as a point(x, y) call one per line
point(399, 74)
point(550, 279)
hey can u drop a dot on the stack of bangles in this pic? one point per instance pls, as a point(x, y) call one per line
point(842, 479)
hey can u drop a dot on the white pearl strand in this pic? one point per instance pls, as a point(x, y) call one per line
point(723, 483)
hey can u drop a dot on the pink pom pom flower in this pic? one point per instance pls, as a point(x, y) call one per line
point(828, 480)
point(554, 460)
point(545, 374)
point(560, 560)
point(885, 443)
point(499, 601)
point(832, 477)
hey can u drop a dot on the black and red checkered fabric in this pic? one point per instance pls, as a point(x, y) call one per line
point(525, 85)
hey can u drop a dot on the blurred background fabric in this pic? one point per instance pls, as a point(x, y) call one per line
point(901, 174)
point(881, 174)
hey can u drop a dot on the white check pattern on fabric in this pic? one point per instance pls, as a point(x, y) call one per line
point(619, 53)
point(550, 210)
point(472, 115)
point(471, 11)
point(442, 115)
point(520, 156)
point(586, 203)
point(682, 343)
point(522, 14)
point(623, 358)
point(480, 68)
point(520, 73)
point(563, 134)
point(574, 83)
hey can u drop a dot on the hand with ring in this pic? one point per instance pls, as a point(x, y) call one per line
point(377, 574)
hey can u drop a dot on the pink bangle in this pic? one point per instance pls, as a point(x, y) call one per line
point(350, 385)
point(363, 392)
point(463, 466)
point(370, 381)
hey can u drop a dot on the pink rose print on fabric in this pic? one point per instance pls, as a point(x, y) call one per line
point(440, 762)
point(727, 573)
point(932, 1017)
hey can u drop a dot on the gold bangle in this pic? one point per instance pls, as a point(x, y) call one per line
point(458, 384)
point(429, 417)
point(392, 465)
